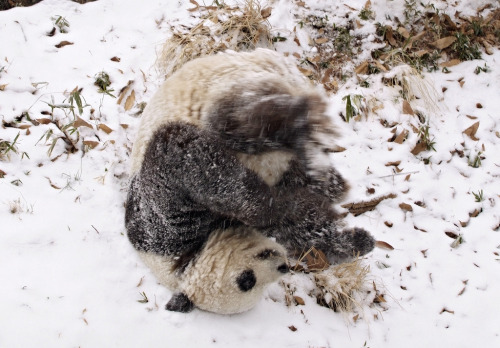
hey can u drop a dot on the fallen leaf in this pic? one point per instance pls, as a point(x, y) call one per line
point(379, 299)
point(472, 117)
point(130, 101)
point(406, 207)
point(451, 234)
point(407, 178)
point(52, 32)
point(447, 311)
point(115, 59)
point(362, 68)
point(123, 92)
point(52, 184)
point(104, 128)
point(388, 224)
point(265, 13)
point(44, 120)
point(321, 40)
point(444, 42)
point(450, 63)
point(364, 206)
point(418, 148)
point(90, 143)
point(292, 328)
point(82, 123)
point(63, 43)
point(355, 318)
point(2, 87)
point(316, 260)
point(403, 32)
point(390, 36)
point(395, 163)
point(479, 106)
point(407, 109)
point(124, 125)
point(383, 245)
point(401, 137)
point(471, 131)
point(299, 300)
point(475, 213)
point(2, 174)
point(306, 72)
point(487, 46)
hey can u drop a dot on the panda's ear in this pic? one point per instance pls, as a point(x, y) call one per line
point(246, 280)
point(179, 303)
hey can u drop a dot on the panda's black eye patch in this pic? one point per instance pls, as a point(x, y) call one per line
point(266, 254)
point(246, 280)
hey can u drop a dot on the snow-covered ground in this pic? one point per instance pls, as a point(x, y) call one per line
point(70, 278)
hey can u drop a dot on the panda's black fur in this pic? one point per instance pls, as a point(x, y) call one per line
point(189, 179)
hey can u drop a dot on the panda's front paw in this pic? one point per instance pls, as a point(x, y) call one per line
point(179, 303)
point(330, 183)
point(362, 241)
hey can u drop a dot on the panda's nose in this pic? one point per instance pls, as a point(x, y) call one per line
point(283, 268)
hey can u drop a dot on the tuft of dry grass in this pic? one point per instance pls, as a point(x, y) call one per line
point(220, 28)
point(340, 287)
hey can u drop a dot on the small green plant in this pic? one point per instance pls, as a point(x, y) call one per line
point(352, 106)
point(477, 28)
point(8, 146)
point(424, 135)
point(62, 23)
point(480, 69)
point(343, 39)
point(479, 196)
point(475, 162)
point(103, 82)
point(279, 38)
point(366, 14)
point(459, 240)
point(144, 298)
point(465, 49)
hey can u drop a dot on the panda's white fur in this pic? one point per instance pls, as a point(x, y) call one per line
point(210, 280)
point(189, 95)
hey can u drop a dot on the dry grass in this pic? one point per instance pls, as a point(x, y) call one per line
point(340, 287)
point(244, 27)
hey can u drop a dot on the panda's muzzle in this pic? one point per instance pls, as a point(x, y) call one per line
point(283, 268)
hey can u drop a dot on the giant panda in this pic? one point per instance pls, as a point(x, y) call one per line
point(229, 145)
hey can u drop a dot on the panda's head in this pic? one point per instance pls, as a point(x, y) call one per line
point(233, 269)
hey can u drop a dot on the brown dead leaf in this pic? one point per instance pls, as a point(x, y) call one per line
point(104, 128)
point(90, 143)
point(418, 148)
point(450, 63)
point(451, 234)
point(130, 101)
point(383, 245)
point(316, 260)
point(479, 105)
point(364, 206)
point(292, 328)
point(296, 40)
point(475, 213)
point(52, 184)
point(63, 43)
point(124, 125)
point(407, 178)
point(395, 164)
point(444, 42)
point(487, 47)
point(390, 36)
point(2, 87)
point(355, 318)
point(471, 131)
point(472, 117)
point(2, 174)
point(82, 123)
point(420, 53)
point(401, 137)
point(321, 40)
point(306, 72)
point(407, 109)
point(447, 311)
point(379, 299)
point(403, 32)
point(115, 59)
point(362, 68)
point(265, 13)
point(405, 207)
point(123, 92)
point(299, 300)
point(44, 120)
point(388, 224)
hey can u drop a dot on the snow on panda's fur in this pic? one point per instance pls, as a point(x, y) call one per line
point(228, 141)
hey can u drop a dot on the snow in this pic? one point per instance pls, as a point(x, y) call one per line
point(71, 278)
